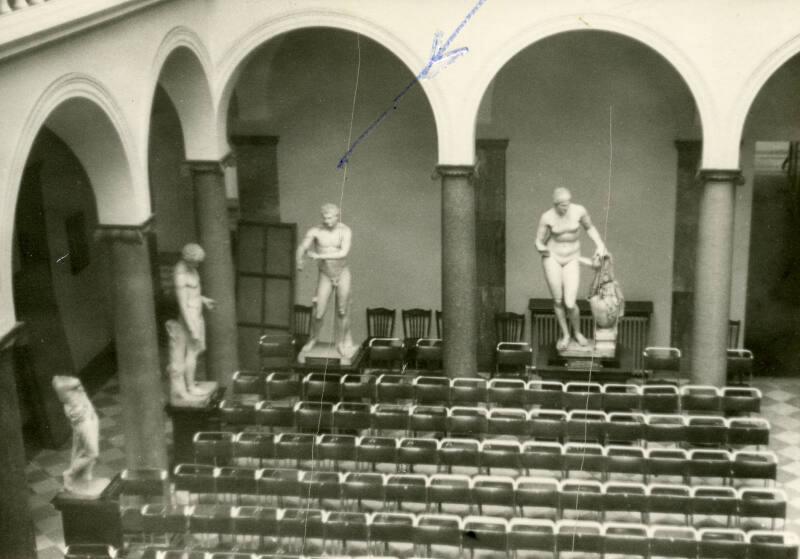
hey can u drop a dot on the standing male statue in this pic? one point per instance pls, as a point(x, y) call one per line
point(187, 334)
point(329, 244)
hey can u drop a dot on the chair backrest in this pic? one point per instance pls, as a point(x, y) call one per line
point(739, 365)
point(380, 322)
point(734, 326)
point(439, 324)
point(416, 323)
point(662, 359)
point(509, 326)
point(276, 346)
point(301, 320)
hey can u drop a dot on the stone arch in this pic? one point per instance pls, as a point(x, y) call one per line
point(755, 82)
point(234, 60)
point(182, 67)
point(528, 36)
point(84, 115)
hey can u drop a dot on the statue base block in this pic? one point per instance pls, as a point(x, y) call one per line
point(90, 520)
point(202, 393)
point(594, 355)
point(87, 489)
point(326, 352)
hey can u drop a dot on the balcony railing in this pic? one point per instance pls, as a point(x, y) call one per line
point(29, 24)
point(8, 6)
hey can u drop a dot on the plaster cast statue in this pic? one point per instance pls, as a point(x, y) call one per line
point(329, 244)
point(605, 295)
point(78, 478)
point(187, 334)
point(558, 241)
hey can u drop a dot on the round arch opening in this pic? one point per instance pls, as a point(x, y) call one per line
point(769, 205)
point(605, 116)
point(297, 103)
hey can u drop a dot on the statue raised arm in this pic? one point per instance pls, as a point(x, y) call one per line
point(329, 245)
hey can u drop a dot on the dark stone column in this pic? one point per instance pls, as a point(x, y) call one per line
point(459, 271)
point(689, 190)
point(217, 273)
point(490, 233)
point(136, 342)
point(16, 525)
point(712, 294)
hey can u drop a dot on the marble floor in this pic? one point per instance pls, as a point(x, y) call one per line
point(780, 405)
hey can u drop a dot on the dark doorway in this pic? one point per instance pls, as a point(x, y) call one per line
point(59, 288)
point(772, 327)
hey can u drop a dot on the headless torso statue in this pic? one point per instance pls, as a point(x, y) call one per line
point(78, 478)
point(558, 241)
point(329, 244)
point(187, 334)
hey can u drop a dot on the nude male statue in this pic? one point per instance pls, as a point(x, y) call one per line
point(78, 478)
point(187, 334)
point(329, 244)
point(558, 241)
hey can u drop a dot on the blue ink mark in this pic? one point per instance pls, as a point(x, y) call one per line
point(439, 59)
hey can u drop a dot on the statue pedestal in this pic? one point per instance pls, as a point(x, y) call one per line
point(87, 489)
point(605, 342)
point(90, 520)
point(326, 353)
point(596, 354)
point(202, 393)
point(189, 418)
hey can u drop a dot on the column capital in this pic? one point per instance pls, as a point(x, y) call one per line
point(254, 140)
point(134, 233)
point(496, 143)
point(455, 170)
point(733, 176)
point(12, 336)
point(210, 165)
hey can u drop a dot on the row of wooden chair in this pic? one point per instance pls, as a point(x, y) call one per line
point(464, 494)
point(359, 534)
point(423, 389)
point(478, 421)
point(559, 460)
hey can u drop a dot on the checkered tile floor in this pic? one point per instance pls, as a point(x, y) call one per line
point(45, 469)
point(780, 405)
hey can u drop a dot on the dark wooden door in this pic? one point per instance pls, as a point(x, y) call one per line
point(490, 238)
point(687, 211)
point(265, 275)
